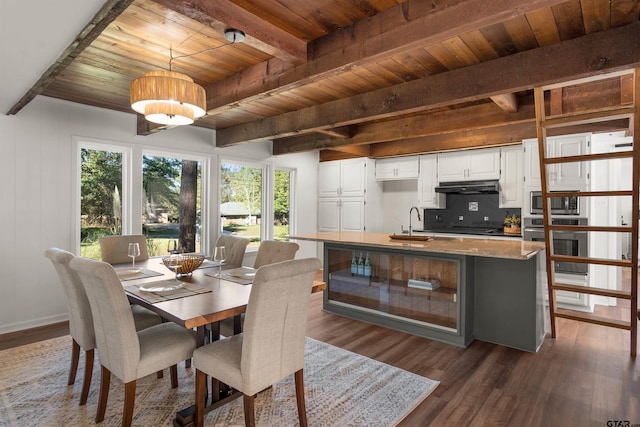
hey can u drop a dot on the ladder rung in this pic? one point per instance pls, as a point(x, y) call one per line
point(587, 260)
point(592, 318)
point(589, 193)
point(591, 290)
point(611, 229)
point(590, 117)
point(589, 157)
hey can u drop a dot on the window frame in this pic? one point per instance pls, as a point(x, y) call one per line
point(292, 198)
point(131, 193)
point(266, 213)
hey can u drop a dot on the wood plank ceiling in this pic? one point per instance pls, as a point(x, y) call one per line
point(357, 77)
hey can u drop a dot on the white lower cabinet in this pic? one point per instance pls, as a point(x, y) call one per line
point(341, 214)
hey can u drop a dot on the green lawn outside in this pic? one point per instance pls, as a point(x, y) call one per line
point(160, 246)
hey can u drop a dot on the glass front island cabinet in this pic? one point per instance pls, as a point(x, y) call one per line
point(422, 294)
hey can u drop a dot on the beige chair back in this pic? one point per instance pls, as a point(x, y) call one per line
point(80, 318)
point(272, 251)
point(235, 247)
point(116, 337)
point(275, 323)
point(113, 249)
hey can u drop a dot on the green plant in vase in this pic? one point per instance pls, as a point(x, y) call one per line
point(512, 224)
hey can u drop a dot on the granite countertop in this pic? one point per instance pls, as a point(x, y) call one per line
point(493, 248)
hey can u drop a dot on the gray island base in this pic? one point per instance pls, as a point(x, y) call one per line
point(452, 290)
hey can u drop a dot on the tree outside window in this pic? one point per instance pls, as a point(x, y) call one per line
point(241, 201)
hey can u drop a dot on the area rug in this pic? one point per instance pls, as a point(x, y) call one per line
point(341, 388)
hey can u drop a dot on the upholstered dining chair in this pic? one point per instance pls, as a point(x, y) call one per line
point(123, 351)
point(81, 320)
point(113, 249)
point(272, 344)
point(269, 252)
point(272, 251)
point(235, 248)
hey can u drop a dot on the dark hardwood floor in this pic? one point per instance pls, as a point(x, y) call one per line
point(584, 377)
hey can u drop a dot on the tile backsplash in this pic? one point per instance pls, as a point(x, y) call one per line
point(468, 210)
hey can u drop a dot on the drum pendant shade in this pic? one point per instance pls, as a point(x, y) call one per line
point(168, 98)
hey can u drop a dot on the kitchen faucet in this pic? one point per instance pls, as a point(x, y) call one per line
point(419, 219)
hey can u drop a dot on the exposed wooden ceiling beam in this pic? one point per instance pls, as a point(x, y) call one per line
point(337, 132)
point(431, 123)
point(496, 136)
point(507, 101)
point(594, 54)
point(358, 150)
point(260, 34)
point(412, 24)
point(107, 14)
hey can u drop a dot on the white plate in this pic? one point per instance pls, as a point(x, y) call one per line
point(242, 273)
point(129, 271)
point(155, 287)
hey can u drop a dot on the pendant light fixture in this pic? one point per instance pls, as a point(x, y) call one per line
point(172, 98)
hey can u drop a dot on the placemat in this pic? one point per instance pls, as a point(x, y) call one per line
point(207, 263)
point(187, 290)
point(125, 274)
point(236, 275)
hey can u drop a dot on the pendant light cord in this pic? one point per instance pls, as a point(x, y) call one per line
point(232, 35)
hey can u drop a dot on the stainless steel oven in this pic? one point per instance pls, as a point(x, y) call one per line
point(559, 205)
point(573, 243)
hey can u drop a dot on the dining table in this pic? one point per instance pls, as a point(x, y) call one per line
point(201, 300)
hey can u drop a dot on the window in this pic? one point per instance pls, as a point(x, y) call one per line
point(123, 190)
point(101, 189)
point(241, 202)
point(171, 204)
point(282, 203)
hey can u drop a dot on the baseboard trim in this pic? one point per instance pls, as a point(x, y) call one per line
point(19, 327)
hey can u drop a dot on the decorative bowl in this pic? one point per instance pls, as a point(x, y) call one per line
point(188, 262)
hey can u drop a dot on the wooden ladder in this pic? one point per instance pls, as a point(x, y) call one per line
point(630, 111)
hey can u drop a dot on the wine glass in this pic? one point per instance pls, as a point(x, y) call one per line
point(133, 252)
point(175, 262)
point(220, 255)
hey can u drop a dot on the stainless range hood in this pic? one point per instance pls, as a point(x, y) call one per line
point(469, 187)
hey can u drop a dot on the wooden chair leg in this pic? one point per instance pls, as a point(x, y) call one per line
point(105, 379)
point(249, 411)
point(129, 403)
point(302, 410)
point(187, 363)
point(201, 382)
point(173, 370)
point(75, 356)
point(88, 373)
point(159, 375)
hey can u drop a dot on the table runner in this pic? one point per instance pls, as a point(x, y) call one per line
point(125, 274)
point(187, 290)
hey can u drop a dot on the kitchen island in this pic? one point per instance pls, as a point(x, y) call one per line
point(451, 289)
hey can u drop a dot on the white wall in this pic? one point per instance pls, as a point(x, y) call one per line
point(398, 197)
point(36, 180)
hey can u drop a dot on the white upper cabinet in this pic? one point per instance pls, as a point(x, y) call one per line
point(469, 165)
point(511, 176)
point(561, 176)
point(342, 178)
point(427, 183)
point(397, 168)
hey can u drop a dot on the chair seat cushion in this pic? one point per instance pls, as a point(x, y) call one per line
point(221, 360)
point(162, 346)
point(144, 318)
